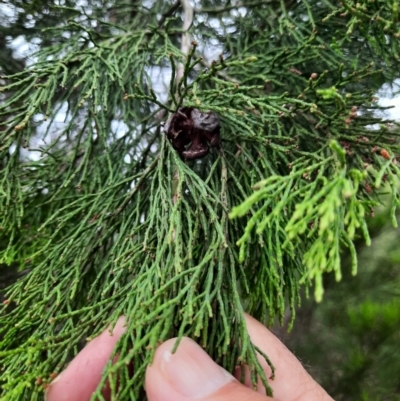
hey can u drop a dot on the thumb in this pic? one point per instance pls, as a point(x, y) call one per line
point(190, 374)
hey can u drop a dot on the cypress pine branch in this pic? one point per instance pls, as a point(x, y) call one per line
point(110, 219)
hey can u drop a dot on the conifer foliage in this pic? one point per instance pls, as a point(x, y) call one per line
point(106, 217)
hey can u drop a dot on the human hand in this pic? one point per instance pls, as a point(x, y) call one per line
point(190, 374)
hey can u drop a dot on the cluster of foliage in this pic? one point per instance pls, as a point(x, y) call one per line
point(106, 218)
point(356, 330)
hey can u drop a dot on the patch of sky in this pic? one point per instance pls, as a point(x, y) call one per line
point(119, 128)
point(160, 80)
point(389, 96)
point(9, 13)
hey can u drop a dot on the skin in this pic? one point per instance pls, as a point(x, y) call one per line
point(190, 374)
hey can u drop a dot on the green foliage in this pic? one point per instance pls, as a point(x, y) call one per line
point(380, 318)
point(317, 206)
point(110, 220)
point(355, 332)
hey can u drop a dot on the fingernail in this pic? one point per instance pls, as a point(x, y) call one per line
point(56, 379)
point(192, 372)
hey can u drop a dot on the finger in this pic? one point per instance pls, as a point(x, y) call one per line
point(82, 376)
point(292, 382)
point(190, 374)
